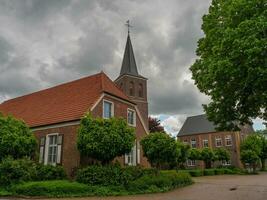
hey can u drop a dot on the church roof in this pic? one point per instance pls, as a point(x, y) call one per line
point(128, 64)
point(62, 103)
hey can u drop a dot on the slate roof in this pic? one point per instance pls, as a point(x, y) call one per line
point(62, 103)
point(128, 63)
point(196, 125)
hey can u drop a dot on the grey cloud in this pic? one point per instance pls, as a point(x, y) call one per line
point(64, 40)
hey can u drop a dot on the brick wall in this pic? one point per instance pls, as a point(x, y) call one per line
point(233, 149)
point(70, 155)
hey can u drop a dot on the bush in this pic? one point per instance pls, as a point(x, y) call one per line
point(49, 172)
point(15, 171)
point(219, 171)
point(51, 188)
point(163, 182)
point(209, 172)
point(195, 172)
point(16, 138)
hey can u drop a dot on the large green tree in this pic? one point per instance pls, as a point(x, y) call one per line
point(104, 139)
point(16, 139)
point(232, 63)
point(161, 150)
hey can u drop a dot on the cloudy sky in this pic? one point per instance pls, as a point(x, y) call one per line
point(46, 42)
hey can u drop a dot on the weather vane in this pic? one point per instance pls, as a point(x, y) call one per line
point(128, 26)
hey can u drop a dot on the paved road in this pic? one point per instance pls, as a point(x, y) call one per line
point(228, 187)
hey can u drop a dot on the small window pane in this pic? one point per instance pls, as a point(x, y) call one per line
point(131, 117)
point(107, 109)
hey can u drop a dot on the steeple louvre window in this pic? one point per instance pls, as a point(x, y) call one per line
point(131, 89)
point(140, 90)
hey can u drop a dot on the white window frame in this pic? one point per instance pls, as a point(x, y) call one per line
point(218, 139)
point(131, 157)
point(47, 149)
point(112, 108)
point(193, 140)
point(228, 138)
point(203, 142)
point(226, 163)
point(134, 117)
point(191, 163)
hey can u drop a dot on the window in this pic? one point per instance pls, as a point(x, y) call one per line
point(108, 109)
point(131, 89)
point(218, 141)
point(185, 142)
point(140, 90)
point(205, 143)
point(130, 158)
point(191, 163)
point(131, 117)
point(226, 162)
point(228, 140)
point(52, 149)
point(193, 143)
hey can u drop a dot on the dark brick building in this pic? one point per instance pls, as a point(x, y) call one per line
point(54, 114)
point(199, 132)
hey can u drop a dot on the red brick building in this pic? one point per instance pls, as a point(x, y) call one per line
point(199, 132)
point(54, 114)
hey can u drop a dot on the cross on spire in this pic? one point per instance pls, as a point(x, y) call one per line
point(128, 26)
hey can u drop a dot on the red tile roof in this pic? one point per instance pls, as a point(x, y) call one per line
point(62, 103)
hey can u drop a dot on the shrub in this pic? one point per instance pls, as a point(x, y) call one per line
point(101, 175)
point(227, 171)
point(162, 182)
point(209, 172)
point(195, 172)
point(14, 171)
point(51, 188)
point(49, 172)
point(219, 171)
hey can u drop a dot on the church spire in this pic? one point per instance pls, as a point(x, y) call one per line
point(128, 63)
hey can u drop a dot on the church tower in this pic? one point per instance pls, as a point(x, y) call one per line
point(132, 83)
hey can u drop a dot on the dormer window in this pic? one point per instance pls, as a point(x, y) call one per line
point(140, 90)
point(131, 89)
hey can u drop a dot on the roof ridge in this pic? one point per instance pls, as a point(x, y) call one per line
point(42, 90)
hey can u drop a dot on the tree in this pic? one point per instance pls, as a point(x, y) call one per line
point(184, 153)
point(208, 156)
point(194, 154)
point(160, 149)
point(222, 154)
point(104, 139)
point(232, 63)
point(154, 125)
point(249, 157)
point(16, 139)
point(257, 143)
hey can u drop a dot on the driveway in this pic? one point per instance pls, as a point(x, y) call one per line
point(227, 187)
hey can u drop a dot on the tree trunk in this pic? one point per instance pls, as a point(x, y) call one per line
point(262, 164)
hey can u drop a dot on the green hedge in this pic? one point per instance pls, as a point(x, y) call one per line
point(16, 171)
point(111, 174)
point(219, 171)
point(209, 172)
point(145, 184)
point(196, 172)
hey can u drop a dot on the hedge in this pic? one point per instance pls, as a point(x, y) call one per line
point(209, 172)
point(63, 188)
